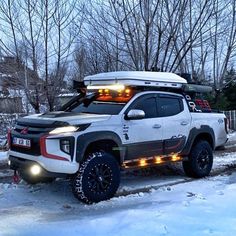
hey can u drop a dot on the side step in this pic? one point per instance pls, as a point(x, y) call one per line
point(150, 161)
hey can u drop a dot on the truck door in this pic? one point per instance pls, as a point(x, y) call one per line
point(176, 122)
point(143, 137)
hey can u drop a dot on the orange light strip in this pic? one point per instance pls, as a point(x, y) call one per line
point(151, 161)
point(142, 162)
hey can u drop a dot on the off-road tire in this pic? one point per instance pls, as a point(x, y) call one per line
point(200, 160)
point(97, 179)
point(30, 179)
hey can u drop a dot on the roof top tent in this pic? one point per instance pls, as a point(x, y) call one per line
point(135, 79)
point(143, 79)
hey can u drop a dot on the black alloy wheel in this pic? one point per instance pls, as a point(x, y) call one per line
point(97, 179)
point(200, 160)
point(203, 159)
point(100, 178)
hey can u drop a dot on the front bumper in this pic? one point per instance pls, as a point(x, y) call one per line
point(55, 166)
point(25, 165)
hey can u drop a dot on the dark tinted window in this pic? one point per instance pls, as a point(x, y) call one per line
point(169, 106)
point(96, 107)
point(148, 105)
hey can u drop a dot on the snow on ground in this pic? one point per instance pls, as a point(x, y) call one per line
point(202, 207)
point(3, 156)
point(232, 136)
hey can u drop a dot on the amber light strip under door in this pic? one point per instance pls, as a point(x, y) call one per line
point(149, 161)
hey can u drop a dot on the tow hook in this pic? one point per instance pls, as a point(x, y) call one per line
point(16, 177)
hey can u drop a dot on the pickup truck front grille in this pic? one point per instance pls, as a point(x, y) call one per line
point(32, 130)
point(32, 133)
point(33, 150)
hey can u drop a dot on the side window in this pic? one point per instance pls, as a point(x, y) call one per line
point(148, 105)
point(169, 106)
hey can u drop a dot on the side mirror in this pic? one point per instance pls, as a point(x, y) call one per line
point(135, 114)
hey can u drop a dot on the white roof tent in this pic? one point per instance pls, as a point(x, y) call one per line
point(120, 79)
point(146, 79)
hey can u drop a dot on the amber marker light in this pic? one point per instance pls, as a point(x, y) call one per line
point(127, 92)
point(142, 162)
point(107, 91)
point(158, 160)
point(175, 158)
point(119, 92)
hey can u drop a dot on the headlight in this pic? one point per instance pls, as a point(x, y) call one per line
point(64, 129)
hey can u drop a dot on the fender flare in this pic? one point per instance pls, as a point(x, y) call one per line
point(85, 140)
point(194, 134)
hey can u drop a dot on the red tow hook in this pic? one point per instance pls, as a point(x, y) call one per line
point(16, 177)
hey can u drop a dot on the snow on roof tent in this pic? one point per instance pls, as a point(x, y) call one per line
point(134, 78)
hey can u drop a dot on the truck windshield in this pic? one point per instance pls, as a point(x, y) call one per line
point(102, 101)
point(98, 107)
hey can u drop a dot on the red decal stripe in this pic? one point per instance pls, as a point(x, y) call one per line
point(44, 150)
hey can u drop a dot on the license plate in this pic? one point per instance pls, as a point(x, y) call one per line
point(21, 142)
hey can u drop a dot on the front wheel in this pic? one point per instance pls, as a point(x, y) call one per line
point(97, 179)
point(200, 160)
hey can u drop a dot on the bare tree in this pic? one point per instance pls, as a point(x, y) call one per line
point(44, 34)
point(9, 15)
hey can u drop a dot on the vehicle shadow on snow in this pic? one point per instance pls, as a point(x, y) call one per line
point(56, 198)
point(56, 202)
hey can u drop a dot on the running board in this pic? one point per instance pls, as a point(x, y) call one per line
point(151, 161)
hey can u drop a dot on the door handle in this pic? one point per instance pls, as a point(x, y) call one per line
point(184, 123)
point(156, 126)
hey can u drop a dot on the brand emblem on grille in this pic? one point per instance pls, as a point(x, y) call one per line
point(24, 130)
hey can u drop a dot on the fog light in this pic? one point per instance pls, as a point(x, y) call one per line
point(35, 170)
point(9, 162)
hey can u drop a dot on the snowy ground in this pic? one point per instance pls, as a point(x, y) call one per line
point(203, 207)
point(173, 205)
point(3, 157)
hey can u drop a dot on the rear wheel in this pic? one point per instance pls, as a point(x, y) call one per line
point(98, 178)
point(200, 160)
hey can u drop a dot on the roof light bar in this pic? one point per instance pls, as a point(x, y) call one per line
point(110, 87)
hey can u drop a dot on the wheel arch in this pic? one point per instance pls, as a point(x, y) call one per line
point(204, 133)
point(204, 136)
point(96, 141)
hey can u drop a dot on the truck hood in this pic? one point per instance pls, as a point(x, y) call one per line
point(61, 118)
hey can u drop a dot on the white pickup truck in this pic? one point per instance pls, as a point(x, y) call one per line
point(124, 120)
